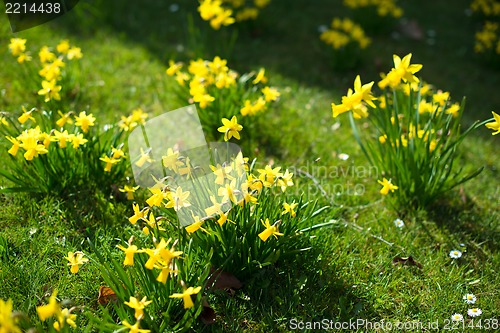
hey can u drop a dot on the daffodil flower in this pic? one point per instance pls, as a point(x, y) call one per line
point(495, 125)
point(137, 305)
point(271, 230)
point(387, 186)
point(75, 259)
point(186, 296)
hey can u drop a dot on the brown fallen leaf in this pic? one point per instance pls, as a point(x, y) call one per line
point(207, 315)
point(406, 261)
point(106, 295)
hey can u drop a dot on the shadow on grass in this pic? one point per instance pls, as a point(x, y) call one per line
point(466, 221)
point(279, 298)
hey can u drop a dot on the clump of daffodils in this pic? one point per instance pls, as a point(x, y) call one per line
point(210, 84)
point(42, 142)
point(343, 32)
point(246, 214)
point(486, 7)
point(487, 39)
point(60, 317)
point(52, 64)
point(413, 134)
point(383, 7)
point(226, 12)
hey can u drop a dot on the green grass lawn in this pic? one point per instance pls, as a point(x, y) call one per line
point(349, 273)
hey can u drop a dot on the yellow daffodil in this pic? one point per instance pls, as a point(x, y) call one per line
point(171, 160)
point(260, 77)
point(387, 186)
point(179, 198)
point(173, 67)
point(63, 46)
point(290, 209)
point(15, 145)
point(129, 253)
point(32, 147)
point(62, 137)
point(365, 90)
point(48, 310)
point(74, 53)
point(84, 121)
point(268, 175)
point(23, 57)
point(134, 328)
point(271, 230)
point(8, 323)
point(270, 94)
point(161, 253)
point(186, 296)
point(65, 118)
point(495, 125)
point(26, 116)
point(228, 192)
point(138, 214)
point(110, 161)
point(78, 140)
point(402, 70)
point(285, 180)
point(17, 46)
point(144, 158)
point(230, 128)
point(50, 90)
point(138, 306)
point(46, 55)
point(76, 259)
point(64, 317)
point(129, 190)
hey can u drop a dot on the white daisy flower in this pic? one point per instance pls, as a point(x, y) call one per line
point(457, 317)
point(399, 223)
point(455, 254)
point(470, 298)
point(474, 312)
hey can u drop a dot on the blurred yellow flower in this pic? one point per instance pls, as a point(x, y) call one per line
point(260, 77)
point(495, 125)
point(186, 296)
point(48, 310)
point(50, 90)
point(110, 161)
point(17, 46)
point(46, 55)
point(84, 121)
point(387, 186)
point(138, 306)
point(290, 209)
point(134, 328)
point(25, 116)
point(270, 94)
point(63, 46)
point(138, 214)
point(129, 253)
point(65, 118)
point(129, 190)
point(8, 323)
point(74, 53)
